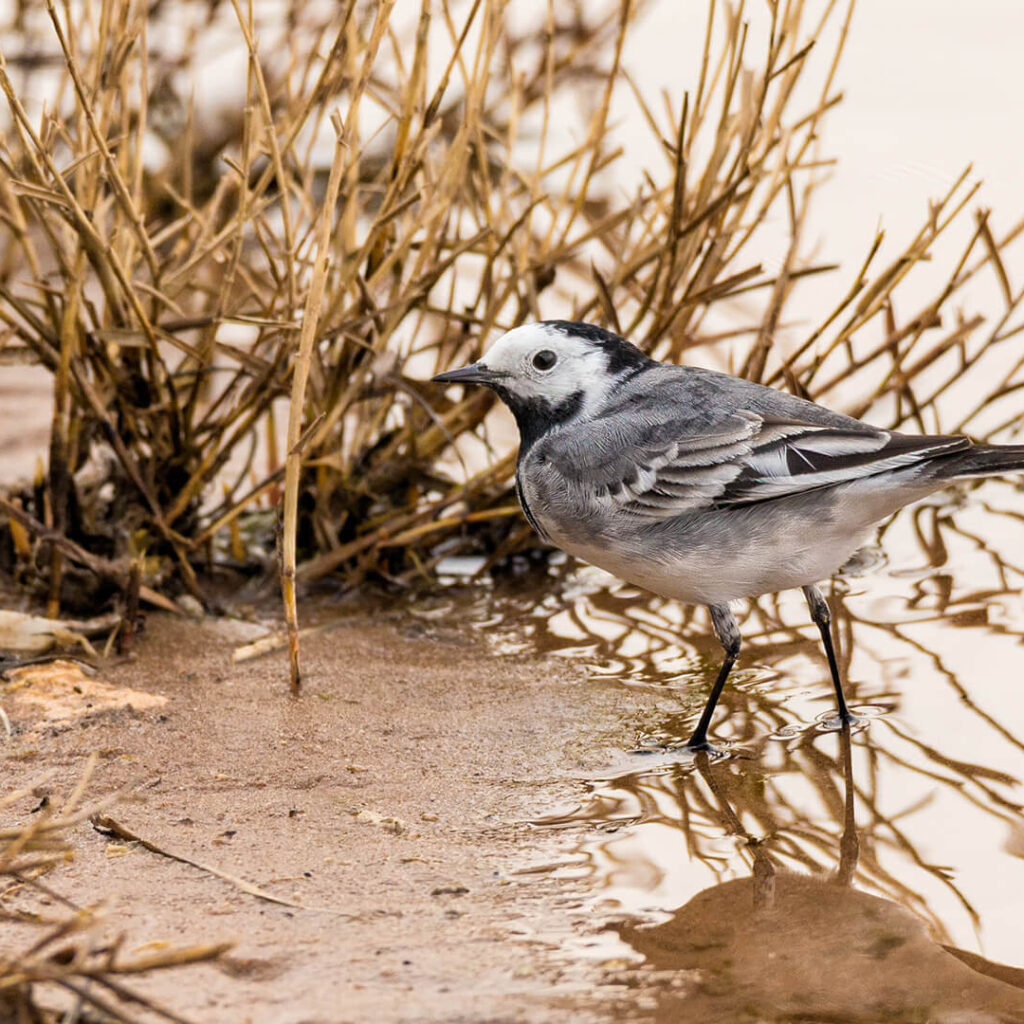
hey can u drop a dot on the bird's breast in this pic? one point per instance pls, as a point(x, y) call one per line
point(711, 556)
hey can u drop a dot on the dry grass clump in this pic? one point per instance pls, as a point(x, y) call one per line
point(161, 259)
point(63, 958)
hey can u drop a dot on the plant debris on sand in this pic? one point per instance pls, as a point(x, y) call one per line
point(65, 957)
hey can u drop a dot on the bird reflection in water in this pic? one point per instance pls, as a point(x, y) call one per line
point(786, 944)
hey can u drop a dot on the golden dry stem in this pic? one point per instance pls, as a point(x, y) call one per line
point(296, 408)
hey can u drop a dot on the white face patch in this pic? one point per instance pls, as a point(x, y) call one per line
point(522, 357)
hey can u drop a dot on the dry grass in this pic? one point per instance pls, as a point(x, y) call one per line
point(162, 264)
point(63, 957)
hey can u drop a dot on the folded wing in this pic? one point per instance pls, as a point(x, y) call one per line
point(660, 470)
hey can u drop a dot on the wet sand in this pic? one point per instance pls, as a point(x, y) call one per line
point(394, 794)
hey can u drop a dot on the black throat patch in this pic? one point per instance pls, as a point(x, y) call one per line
point(536, 416)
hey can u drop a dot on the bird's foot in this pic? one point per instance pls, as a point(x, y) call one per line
point(837, 722)
point(692, 748)
point(698, 745)
point(857, 720)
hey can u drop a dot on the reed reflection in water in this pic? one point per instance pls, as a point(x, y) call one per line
point(930, 640)
point(796, 937)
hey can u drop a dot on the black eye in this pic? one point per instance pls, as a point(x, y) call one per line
point(545, 359)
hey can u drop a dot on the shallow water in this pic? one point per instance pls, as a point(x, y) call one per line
point(875, 850)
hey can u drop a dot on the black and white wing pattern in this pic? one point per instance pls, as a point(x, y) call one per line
point(662, 470)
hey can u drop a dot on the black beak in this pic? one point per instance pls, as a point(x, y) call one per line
point(475, 373)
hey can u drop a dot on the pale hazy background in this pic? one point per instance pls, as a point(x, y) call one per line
point(929, 87)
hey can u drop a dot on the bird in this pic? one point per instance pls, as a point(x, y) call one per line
point(700, 486)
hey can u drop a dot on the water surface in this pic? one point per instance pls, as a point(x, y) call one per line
point(867, 876)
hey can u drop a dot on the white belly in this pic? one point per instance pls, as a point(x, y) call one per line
point(707, 577)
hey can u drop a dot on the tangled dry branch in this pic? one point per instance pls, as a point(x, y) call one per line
point(158, 259)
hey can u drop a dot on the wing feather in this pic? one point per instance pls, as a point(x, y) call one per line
point(748, 458)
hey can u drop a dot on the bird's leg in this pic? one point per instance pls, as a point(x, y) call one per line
point(823, 619)
point(728, 634)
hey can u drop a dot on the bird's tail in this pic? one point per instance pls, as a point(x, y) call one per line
point(983, 460)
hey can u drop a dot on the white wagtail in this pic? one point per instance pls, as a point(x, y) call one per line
point(701, 486)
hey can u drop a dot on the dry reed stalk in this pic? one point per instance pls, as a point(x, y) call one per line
point(297, 406)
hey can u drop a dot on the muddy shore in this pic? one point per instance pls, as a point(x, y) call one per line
point(393, 799)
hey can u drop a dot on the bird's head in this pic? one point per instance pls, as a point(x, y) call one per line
point(551, 371)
